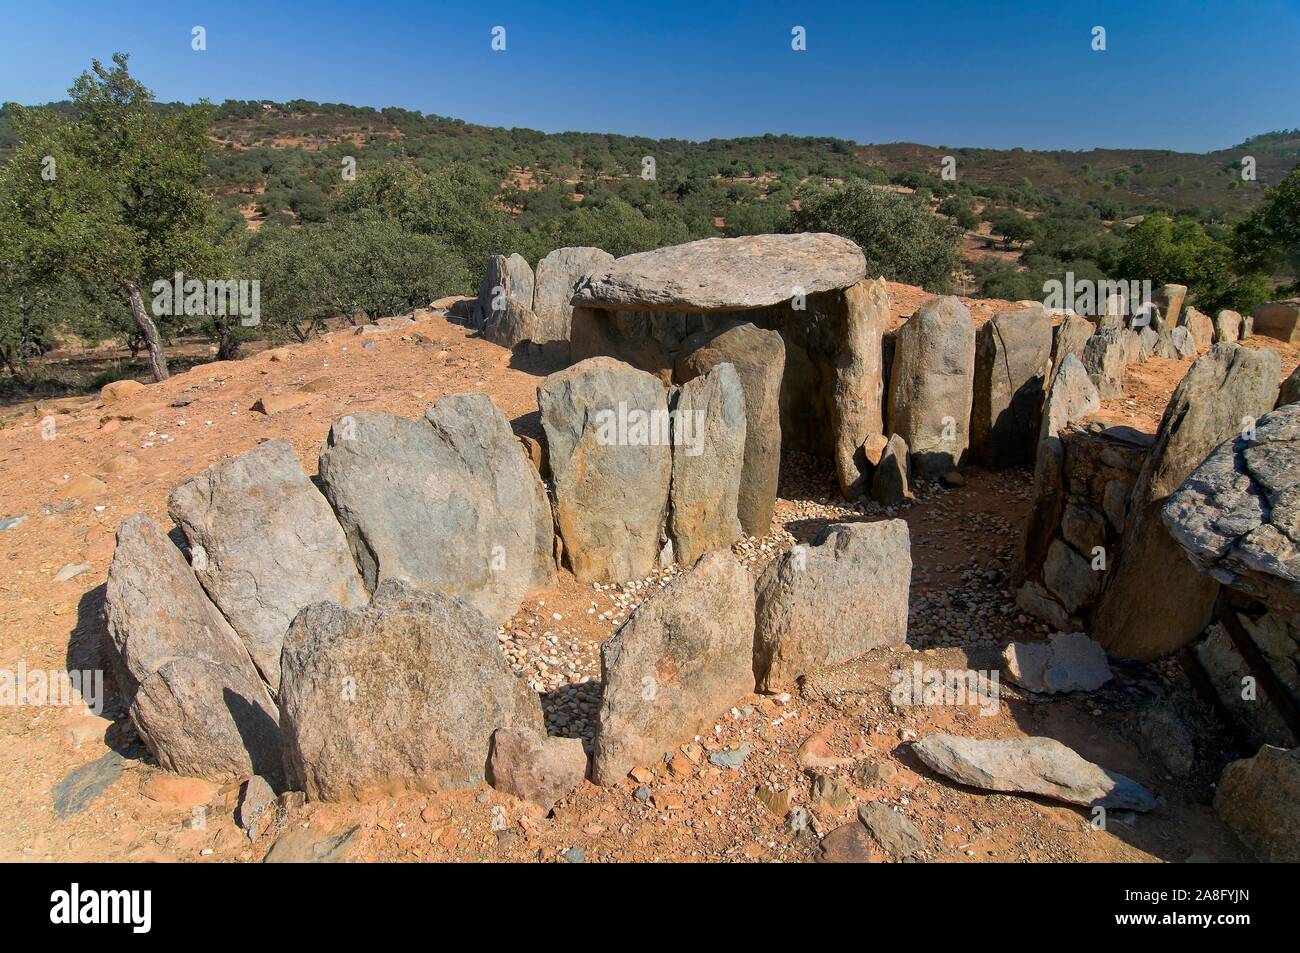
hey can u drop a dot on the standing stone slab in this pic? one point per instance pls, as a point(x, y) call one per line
point(265, 544)
point(860, 383)
point(1200, 326)
point(558, 274)
point(1104, 359)
point(1154, 600)
point(157, 611)
point(708, 454)
point(829, 602)
point(1070, 337)
point(207, 719)
point(681, 660)
point(535, 768)
point(1169, 299)
point(401, 695)
point(607, 439)
point(1290, 392)
point(506, 277)
point(448, 503)
point(889, 483)
point(1012, 351)
point(510, 325)
point(759, 359)
point(1227, 327)
point(1259, 798)
point(931, 385)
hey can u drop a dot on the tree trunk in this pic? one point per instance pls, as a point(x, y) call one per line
point(228, 345)
point(157, 359)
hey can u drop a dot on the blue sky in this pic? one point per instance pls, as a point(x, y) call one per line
point(1176, 74)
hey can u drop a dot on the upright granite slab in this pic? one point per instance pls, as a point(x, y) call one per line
point(1011, 355)
point(807, 287)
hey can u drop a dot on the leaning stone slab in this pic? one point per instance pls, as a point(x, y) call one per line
point(207, 719)
point(1169, 299)
point(684, 657)
point(829, 602)
point(889, 482)
point(725, 274)
point(1012, 351)
point(1237, 513)
point(1041, 766)
point(264, 544)
point(1067, 662)
point(931, 385)
point(448, 503)
point(708, 454)
point(157, 611)
point(607, 438)
point(1154, 600)
point(401, 695)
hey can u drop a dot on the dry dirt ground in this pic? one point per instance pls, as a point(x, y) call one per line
point(73, 787)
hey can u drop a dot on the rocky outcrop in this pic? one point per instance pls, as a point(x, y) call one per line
point(157, 611)
point(401, 695)
point(683, 658)
point(1012, 351)
point(829, 602)
point(208, 719)
point(1143, 613)
point(1031, 766)
point(708, 455)
point(758, 357)
point(448, 503)
point(264, 543)
point(1237, 514)
point(607, 439)
point(1259, 798)
point(931, 385)
point(1104, 358)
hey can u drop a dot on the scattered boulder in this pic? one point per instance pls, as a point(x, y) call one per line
point(558, 274)
point(1012, 351)
point(264, 544)
point(1031, 766)
point(1227, 327)
point(889, 486)
point(829, 602)
point(725, 274)
point(1103, 359)
point(607, 439)
point(891, 830)
point(1142, 613)
point(1278, 319)
point(157, 611)
point(449, 503)
point(300, 845)
point(759, 359)
point(1067, 662)
point(708, 456)
point(931, 385)
point(208, 720)
point(1259, 798)
point(682, 658)
point(400, 695)
point(272, 404)
point(535, 768)
point(114, 391)
point(1237, 513)
point(256, 796)
point(176, 789)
